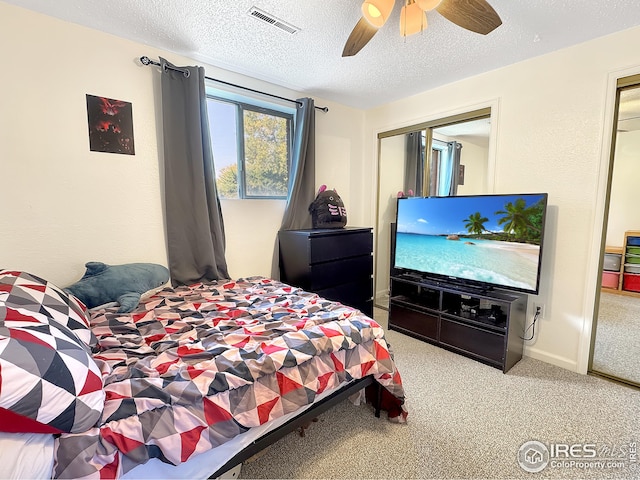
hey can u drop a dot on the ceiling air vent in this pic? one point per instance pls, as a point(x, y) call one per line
point(271, 20)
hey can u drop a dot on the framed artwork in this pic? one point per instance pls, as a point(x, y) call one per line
point(110, 125)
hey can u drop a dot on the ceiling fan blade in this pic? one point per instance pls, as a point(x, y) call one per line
point(475, 15)
point(360, 36)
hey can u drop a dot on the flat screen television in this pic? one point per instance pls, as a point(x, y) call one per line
point(483, 241)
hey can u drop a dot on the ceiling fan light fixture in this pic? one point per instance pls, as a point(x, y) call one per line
point(412, 19)
point(473, 15)
point(427, 5)
point(376, 12)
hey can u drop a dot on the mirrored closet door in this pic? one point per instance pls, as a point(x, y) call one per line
point(615, 349)
point(444, 157)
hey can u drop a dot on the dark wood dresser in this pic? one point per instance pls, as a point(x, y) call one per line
point(335, 263)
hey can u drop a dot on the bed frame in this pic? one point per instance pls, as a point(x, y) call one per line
point(303, 418)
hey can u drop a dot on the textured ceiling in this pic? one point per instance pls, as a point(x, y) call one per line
point(221, 33)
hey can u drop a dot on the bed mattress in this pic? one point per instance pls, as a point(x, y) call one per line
point(26, 455)
point(31, 455)
point(194, 368)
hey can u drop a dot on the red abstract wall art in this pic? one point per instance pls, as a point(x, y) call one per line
point(110, 125)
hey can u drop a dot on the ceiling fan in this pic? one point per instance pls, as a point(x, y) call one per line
point(474, 15)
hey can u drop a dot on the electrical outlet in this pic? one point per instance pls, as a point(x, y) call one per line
point(536, 306)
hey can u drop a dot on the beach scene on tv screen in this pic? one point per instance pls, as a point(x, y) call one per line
point(494, 239)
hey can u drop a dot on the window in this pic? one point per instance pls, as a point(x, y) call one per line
point(251, 147)
point(438, 152)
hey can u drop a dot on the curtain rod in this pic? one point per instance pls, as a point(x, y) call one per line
point(147, 61)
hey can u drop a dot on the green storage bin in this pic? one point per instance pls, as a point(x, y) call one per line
point(634, 250)
point(631, 258)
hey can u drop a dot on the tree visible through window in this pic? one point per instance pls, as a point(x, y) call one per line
point(251, 149)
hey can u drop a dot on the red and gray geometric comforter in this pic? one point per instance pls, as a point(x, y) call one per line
point(192, 367)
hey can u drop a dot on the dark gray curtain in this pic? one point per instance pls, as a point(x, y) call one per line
point(453, 151)
point(413, 163)
point(302, 176)
point(302, 180)
point(195, 229)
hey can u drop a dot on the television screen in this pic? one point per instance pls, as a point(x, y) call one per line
point(488, 240)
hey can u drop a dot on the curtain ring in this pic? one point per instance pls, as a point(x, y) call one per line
point(186, 73)
point(165, 67)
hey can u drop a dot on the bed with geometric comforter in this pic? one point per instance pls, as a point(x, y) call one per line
point(193, 367)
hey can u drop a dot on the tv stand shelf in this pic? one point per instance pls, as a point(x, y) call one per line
point(484, 325)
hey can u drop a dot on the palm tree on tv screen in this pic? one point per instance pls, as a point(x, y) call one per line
point(517, 218)
point(475, 223)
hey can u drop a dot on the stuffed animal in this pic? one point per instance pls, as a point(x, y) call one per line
point(402, 195)
point(327, 210)
point(124, 284)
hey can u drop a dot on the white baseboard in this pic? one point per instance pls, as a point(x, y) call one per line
point(546, 357)
point(382, 294)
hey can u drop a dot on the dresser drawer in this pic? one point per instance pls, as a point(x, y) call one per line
point(488, 345)
point(325, 248)
point(346, 270)
point(337, 264)
point(365, 307)
point(349, 293)
point(424, 323)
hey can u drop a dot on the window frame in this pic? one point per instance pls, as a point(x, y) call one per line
point(242, 104)
point(437, 149)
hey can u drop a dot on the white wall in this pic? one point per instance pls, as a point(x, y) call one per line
point(64, 205)
point(551, 118)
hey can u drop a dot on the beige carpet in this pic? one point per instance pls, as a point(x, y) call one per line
point(466, 420)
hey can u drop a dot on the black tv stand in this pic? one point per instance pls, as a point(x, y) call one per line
point(432, 282)
point(486, 325)
point(416, 277)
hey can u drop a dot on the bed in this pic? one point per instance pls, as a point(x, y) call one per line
point(192, 382)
